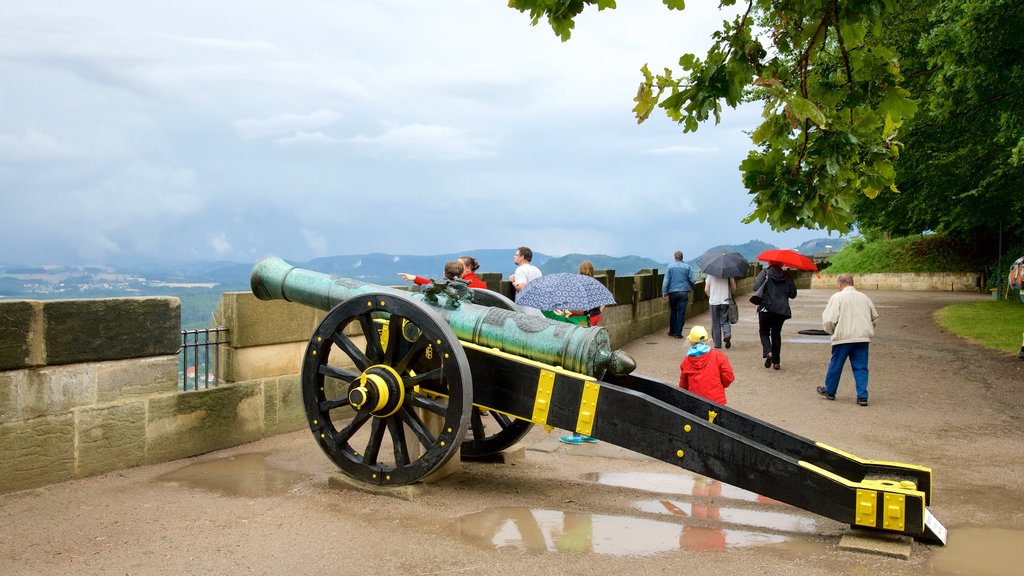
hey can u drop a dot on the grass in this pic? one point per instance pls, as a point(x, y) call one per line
point(995, 325)
point(929, 253)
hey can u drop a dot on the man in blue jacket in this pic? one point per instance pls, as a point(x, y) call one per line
point(676, 288)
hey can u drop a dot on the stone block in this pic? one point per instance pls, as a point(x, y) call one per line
point(254, 322)
point(623, 290)
point(37, 452)
point(10, 382)
point(20, 326)
point(57, 389)
point(111, 437)
point(245, 364)
point(284, 409)
point(126, 379)
point(110, 329)
point(187, 424)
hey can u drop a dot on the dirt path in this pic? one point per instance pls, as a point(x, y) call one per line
point(270, 508)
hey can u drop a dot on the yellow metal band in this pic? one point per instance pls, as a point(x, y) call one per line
point(542, 402)
point(588, 408)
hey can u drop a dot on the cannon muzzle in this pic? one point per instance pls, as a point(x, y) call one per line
point(584, 350)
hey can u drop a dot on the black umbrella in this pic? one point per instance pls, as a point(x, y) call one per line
point(724, 265)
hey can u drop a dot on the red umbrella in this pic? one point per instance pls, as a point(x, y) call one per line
point(788, 259)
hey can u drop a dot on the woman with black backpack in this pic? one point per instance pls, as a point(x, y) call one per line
point(774, 310)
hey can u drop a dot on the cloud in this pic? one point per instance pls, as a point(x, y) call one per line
point(426, 142)
point(32, 146)
point(681, 150)
point(285, 123)
point(301, 138)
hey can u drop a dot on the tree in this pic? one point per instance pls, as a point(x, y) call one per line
point(962, 169)
point(831, 91)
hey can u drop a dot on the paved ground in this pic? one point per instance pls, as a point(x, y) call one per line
point(272, 507)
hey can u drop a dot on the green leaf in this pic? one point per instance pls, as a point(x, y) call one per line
point(675, 4)
point(804, 109)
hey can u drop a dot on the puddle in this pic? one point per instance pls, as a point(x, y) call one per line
point(246, 476)
point(679, 483)
point(980, 552)
point(551, 531)
point(780, 521)
point(808, 340)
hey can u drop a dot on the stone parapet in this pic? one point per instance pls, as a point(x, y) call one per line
point(913, 281)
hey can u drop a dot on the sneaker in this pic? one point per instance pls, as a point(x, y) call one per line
point(823, 392)
point(862, 401)
point(776, 366)
point(728, 342)
point(1021, 355)
point(768, 361)
point(571, 440)
point(589, 439)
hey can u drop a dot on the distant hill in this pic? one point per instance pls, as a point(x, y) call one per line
point(750, 250)
point(623, 266)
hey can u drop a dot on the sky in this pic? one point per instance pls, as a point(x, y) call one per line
point(139, 132)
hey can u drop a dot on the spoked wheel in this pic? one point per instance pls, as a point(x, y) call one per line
point(405, 375)
point(492, 432)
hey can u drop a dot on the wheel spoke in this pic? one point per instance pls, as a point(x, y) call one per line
point(373, 350)
point(338, 373)
point(434, 375)
point(372, 452)
point(328, 405)
point(353, 426)
point(476, 424)
point(415, 351)
point(417, 426)
point(503, 420)
point(395, 338)
point(351, 350)
point(398, 440)
point(428, 404)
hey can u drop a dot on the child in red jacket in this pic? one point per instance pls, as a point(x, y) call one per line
point(705, 371)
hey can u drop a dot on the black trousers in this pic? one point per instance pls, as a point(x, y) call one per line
point(770, 330)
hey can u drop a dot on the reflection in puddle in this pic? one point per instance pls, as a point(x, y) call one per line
point(247, 476)
point(980, 552)
point(540, 531)
point(710, 511)
point(680, 483)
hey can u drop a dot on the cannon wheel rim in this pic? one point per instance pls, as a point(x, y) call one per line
point(482, 440)
point(369, 442)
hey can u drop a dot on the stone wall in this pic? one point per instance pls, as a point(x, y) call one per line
point(90, 386)
point(916, 281)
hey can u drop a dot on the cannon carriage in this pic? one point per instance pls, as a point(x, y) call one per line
point(395, 383)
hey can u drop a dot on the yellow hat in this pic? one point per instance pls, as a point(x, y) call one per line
point(697, 333)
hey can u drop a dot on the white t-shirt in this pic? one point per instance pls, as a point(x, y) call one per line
point(524, 274)
point(719, 290)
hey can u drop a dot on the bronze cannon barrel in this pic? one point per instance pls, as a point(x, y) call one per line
point(584, 350)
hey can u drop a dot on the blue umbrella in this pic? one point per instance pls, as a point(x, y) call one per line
point(565, 292)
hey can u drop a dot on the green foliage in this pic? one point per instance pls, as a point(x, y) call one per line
point(995, 325)
point(961, 169)
point(932, 253)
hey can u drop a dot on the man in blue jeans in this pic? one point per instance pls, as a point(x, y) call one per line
point(676, 288)
point(850, 318)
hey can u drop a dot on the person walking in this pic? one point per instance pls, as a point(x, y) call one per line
point(525, 272)
point(719, 292)
point(676, 288)
point(850, 318)
point(773, 311)
point(704, 371)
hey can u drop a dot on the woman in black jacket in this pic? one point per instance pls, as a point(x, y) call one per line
point(773, 311)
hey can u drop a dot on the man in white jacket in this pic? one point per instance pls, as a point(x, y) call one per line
point(850, 318)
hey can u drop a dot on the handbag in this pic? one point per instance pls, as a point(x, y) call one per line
point(734, 310)
point(758, 296)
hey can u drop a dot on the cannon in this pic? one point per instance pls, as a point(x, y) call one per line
point(394, 383)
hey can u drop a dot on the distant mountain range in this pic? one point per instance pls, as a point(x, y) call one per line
point(377, 268)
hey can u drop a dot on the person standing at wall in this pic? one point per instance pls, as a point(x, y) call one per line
point(773, 311)
point(525, 272)
point(850, 318)
point(719, 291)
point(676, 288)
point(469, 275)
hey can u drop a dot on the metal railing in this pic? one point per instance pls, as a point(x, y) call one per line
point(199, 358)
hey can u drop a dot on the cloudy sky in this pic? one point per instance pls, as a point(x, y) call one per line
point(228, 129)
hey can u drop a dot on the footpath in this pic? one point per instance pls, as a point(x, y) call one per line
point(273, 507)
